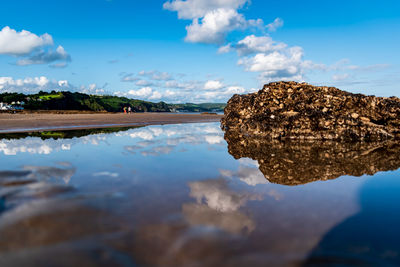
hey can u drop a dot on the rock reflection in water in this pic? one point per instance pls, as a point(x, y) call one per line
point(300, 162)
point(370, 237)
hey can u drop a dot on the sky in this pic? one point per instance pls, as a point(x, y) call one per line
point(181, 51)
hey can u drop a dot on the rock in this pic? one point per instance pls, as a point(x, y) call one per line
point(291, 110)
point(295, 162)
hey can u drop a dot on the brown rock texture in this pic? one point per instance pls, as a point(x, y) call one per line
point(291, 110)
point(296, 162)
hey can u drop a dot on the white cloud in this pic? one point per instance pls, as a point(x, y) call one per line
point(44, 57)
point(62, 83)
point(286, 65)
point(36, 49)
point(92, 89)
point(155, 96)
point(224, 49)
point(212, 20)
point(213, 85)
point(31, 85)
point(258, 44)
point(9, 84)
point(192, 9)
point(213, 28)
point(21, 43)
point(273, 26)
point(178, 90)
point(143, 92)
point(234, 90)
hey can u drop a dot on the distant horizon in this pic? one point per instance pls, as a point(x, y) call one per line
point(171, 103)
point(198, 51)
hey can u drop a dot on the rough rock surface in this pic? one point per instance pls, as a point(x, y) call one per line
point(295, 162)
point(290, 110)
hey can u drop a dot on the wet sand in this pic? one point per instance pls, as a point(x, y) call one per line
point(12, 123)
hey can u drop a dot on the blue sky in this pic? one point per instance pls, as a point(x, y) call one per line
point(198, 50)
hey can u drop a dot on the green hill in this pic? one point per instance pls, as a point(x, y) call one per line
point(79, 101)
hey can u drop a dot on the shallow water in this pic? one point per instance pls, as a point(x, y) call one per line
point(172, 195)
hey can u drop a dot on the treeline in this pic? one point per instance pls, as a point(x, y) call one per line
point(79, 101)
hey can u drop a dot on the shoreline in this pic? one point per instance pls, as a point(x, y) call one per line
point(37, 122)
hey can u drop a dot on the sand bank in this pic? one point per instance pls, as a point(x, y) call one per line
point(10, 123)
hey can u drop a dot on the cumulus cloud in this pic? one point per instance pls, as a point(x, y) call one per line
point(21, 43)
point(273, 26)
point(155, 95)
point(9, 84)
point(211, 20)
point(224, 49)
point(258, 44)
point(35, 49)
point(284, 65)
point(174, 88)
point(191, 9)
point(143, 92)
point(45, 57)
point(213, 28)
point(92, 89)
point(213, 85)
point(31, 85)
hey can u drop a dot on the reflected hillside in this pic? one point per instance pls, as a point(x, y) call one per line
point(300, 162)
point(64, 134)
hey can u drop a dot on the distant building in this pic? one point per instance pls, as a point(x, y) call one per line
point(4, 106)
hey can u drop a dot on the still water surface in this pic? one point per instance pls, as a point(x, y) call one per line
point(173, 195)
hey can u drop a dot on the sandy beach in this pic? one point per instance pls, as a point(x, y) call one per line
point(10, 123)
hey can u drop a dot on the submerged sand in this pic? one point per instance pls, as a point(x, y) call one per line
point(10, 123)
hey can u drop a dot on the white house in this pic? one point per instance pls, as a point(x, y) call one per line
point(4, 106)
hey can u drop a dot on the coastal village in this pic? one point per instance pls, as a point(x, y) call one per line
point(18, 105)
